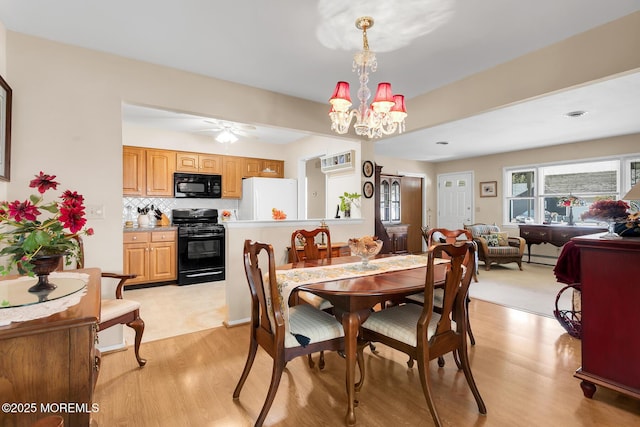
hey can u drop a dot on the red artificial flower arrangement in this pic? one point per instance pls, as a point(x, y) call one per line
point(28, 235)
point(607, 210)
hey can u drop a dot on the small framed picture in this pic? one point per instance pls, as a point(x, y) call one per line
point(367, 169)
point(367, 189)
point(489, 189)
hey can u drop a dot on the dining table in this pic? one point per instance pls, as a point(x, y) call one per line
point(353, 299)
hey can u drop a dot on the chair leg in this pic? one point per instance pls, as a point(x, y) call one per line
point(469, 331)
point(360, 361)
point(253, 349)
point(138, 326)
point(466, 368)
point(423, 370)
point(321, 361)
point(276, 375)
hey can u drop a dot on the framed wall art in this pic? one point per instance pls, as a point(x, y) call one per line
point(367, 169)
point(5, 130)
point(489, 189)
point(367, 189)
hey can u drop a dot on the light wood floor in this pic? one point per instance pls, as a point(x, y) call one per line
point(523, 365)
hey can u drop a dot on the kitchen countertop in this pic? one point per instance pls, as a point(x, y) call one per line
point(159, 228)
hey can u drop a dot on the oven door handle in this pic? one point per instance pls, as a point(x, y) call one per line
point(213, 273)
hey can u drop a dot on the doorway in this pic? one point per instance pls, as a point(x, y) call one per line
point(455, 200)
point(411, 212)
point(315, 190)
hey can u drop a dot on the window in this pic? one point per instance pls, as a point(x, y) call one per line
point(532, 194)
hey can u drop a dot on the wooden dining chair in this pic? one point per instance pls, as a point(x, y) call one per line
point(119, 310)
point(425, 335)
point(311, 251)
point(434, 236)
point(269, 323)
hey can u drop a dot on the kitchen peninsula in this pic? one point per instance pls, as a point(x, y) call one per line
point(278, 234)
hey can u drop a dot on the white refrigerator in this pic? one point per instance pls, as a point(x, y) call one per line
point(261, 195)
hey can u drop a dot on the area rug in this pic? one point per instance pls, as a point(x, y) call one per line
point(532, 290)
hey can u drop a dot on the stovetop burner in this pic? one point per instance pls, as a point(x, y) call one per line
point(194, 216)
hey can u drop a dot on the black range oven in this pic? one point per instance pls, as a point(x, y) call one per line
point(200, 245)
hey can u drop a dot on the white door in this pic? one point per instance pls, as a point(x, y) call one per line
point(455, 200)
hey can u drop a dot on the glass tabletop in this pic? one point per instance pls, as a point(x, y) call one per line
point(14, 293)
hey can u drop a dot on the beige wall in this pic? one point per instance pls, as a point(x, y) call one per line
point(490, 168)
point(67, 121)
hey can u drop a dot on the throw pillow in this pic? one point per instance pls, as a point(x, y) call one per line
point(503, 238)
point(492, 239)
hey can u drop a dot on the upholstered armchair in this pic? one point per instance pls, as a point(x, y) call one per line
point(495, 246)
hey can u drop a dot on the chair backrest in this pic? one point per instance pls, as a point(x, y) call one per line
point(478, 230)
point(436, 235)
point(456, 285)
point(311, 250)
point(266, 318)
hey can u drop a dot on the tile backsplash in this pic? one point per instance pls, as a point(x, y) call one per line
point(167, 204)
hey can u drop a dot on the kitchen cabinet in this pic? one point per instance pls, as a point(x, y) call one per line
point(198, 163)
point(232, 170)
point(151, 255)
point(398, 235)
point(263, 168)
point(147, 172)
point(133, 171)
point(160, 165)
point(609, 272)
point(52, 360)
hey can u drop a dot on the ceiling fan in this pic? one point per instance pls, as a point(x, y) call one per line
point(228, 132)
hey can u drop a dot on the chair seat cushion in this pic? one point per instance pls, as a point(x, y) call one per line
point(438, 297)
point(400, 323)
point(504, 251)
point(314, 300)
point(314, 324)
point(112, 308)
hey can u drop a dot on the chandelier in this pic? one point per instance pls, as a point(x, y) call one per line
point(387, 111)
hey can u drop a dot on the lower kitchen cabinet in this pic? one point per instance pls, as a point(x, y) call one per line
point(151, 255)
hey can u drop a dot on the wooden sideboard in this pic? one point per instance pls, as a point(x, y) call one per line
point(52, 361)
point(610, 276)
point(556, 235)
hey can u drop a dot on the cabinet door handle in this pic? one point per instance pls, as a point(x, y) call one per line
point(134, 238)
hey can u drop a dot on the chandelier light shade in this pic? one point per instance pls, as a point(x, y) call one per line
point(387, 112)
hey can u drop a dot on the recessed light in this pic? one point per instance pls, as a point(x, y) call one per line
point(577, 113)
point(442, 143)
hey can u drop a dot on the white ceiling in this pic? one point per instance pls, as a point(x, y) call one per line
point(422, 44)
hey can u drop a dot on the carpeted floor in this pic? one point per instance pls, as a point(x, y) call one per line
point(533, 290)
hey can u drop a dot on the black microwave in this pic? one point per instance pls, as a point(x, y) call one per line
point(197, 186)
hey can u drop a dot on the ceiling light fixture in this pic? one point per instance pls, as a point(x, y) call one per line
point(578, 113)
point(387, 111)
point(226, 136)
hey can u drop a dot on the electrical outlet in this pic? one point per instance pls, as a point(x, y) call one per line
point(94, 211)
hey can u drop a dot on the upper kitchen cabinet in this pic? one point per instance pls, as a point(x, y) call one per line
point(199, 163)
point(160, 167)
point(133, 179)
point(147, 172)
point(263, 168)
point(232, 169)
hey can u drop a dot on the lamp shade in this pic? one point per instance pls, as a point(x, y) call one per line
point(383, 100)
point(341, 98)
point(633, 194)
point(398, 111)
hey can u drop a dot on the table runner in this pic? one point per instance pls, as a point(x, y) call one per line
point(289, 280)
point(43, 309)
